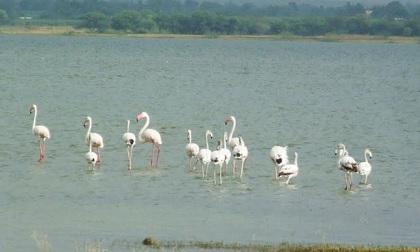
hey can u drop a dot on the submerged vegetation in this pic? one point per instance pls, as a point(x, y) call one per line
point(214, 19)
point(283, 247)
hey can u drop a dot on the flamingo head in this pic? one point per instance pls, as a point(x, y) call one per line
point(340, 150)
point(87, 122)
point(140, 116)
point(369, 153)
point(229, 119)
point(32, 108)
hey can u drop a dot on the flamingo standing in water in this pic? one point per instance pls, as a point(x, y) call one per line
point(40, 131)
point(204, 155)
point(217, 158)
point(93, 138)
point(347, 164)
point(130, 140)
point(240, 152)
point(191, 149)
point(278, 154)
point(225, 151)
point(232, 141)
point(91, 157)
point(289, 170)
point(365, 167)
point(150, 136)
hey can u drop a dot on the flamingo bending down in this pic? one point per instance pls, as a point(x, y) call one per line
point(232, 141)
point(240, 152)
point(365, 167)
point(347, 164)
point(130, 140)
point(289, 170)
point(278, 154)
point(150, 136)
point(93, 138)
point(218, 158)
point(40, 131)
point(91, 157)
point(225, 151)
point(204, 155)
point(191, 149)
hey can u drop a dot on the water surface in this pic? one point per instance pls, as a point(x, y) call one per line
point(309, 96)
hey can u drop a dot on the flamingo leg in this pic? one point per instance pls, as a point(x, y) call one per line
point(234, 167)
point(276, 173)
point(214, 174)
point(220, 174)
point(190, 163)
point(207, 168)
point(129, 149)
point(157, 156)
point(242, 167)
point(40, 151)
point(153, 155)
point(99, 155)
point(202, 169)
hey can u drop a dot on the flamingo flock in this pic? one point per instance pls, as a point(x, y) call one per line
point(228, 147)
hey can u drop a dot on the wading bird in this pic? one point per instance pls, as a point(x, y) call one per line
point(152, 136)
point(40, 131)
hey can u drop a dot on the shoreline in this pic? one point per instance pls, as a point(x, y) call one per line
point(71, 31)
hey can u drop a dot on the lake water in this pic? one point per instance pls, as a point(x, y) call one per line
point(309, 96)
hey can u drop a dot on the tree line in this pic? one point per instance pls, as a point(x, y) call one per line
point(192, 17)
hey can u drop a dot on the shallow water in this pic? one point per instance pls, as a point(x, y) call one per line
point(309, 96)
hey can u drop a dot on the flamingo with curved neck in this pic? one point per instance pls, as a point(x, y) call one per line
point(40, 131)
point(152, 136)
point(204, 155)
point(130, 140)
point(232, 141)
point(191, 149)
point(365, 167)
point(92, 137)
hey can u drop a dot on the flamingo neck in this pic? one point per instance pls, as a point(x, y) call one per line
point(232, 129)
point(35, 114)
point(146, 124)
point(366, 159)
point(207, 141)
point(89, 129)
point(189, 137)
point(128, 126)
point(90, 146)
point(224, 140)
point(296, 158)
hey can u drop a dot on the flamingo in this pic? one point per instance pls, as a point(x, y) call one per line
point(217, 158)
point(40, 131)
point(91, 157)
point(240, 152)
point(94, 138)
point(289, 170)
point(346, 163)
point(191, 149)
point(225, 151)
point(204, 155)
point(365, 167)
point(232, 141)
point(130, 140)
point(152, 136)
point(278, 154)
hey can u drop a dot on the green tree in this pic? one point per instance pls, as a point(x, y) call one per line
point(3, 17)
point(96, 21)
point(126, 21)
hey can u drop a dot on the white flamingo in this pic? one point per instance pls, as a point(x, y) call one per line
point(347, 164)
point(289, 170)
point(204, 155)
point(130, 140)
point(240, 152)
point(232, 141)
point(94, 138)
point(278, 154)
point(91, 157)
point(40, 131)
point(152, 136)
point(217, 158)
point(191, 148)
point(225, 151)
point(365, 167)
